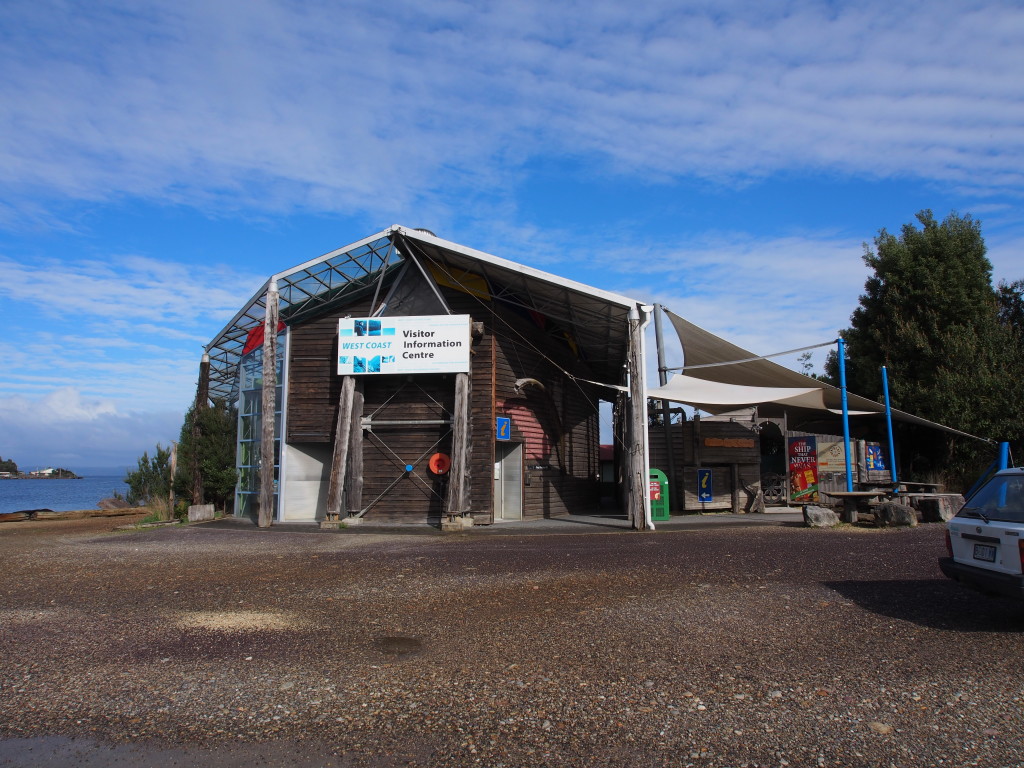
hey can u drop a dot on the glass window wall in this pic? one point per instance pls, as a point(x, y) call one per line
point(250, 426)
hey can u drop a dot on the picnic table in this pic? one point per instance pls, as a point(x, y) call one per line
point(854, 500)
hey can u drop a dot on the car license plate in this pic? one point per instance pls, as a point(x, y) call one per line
point(985, 552)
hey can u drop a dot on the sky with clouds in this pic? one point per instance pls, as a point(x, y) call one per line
point(161, 159)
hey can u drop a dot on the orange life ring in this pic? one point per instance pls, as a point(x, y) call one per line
point(440, 463)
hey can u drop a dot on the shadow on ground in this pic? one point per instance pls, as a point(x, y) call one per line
point(935, 603)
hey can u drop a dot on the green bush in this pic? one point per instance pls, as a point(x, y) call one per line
point(151, 481)
point(207, 447)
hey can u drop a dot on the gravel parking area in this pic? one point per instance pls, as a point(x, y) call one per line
point(764, 646)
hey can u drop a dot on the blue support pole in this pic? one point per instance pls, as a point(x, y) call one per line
point(846, 413)
point(1004, 455)
point(888, 424)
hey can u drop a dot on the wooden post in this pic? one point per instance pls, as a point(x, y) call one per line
point(457, 502)
point(203, 388)
point(174, 469)
point(354, 476)
point(863, 478)
point(269, 406)
point(736, 489)
point(696, 439)
point(342, 435)
point(676, 490)
point(637, 465)
point(202, 399)
point(620, 429)
point(785, 455)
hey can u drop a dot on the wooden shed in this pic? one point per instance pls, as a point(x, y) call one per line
point(372, 419)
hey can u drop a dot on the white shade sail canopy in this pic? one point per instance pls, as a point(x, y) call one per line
point(720, 377)
point(719, 397)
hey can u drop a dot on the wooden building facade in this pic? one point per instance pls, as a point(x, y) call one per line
point(549, 454)
point(516, 436)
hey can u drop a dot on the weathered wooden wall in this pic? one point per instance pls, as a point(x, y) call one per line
point(558, 424)
point(313, 390)
point(720, 442)
point(388, 448)
point(313, 381)
point(714, 444)
point(481, 405)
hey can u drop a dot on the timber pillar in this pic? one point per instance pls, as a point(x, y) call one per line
point(638, 507)
point(457, 500)
point(269, 408)
point(342, 446)
point(202, 401)
point(352, 495)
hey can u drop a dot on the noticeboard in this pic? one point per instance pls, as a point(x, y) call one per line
point(410, 344)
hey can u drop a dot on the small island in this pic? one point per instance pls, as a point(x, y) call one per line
point(9, 471)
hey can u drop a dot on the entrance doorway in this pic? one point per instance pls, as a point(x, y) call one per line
point(508, 481)
point(774, 483)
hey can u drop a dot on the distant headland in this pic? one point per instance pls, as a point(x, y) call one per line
point(9, 471)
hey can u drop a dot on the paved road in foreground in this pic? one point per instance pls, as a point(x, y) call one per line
point(763, 646)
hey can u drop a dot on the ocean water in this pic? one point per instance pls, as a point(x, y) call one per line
point(58, 495)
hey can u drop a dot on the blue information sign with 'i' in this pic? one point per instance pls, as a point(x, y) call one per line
point(704, 492)
point(503, 427)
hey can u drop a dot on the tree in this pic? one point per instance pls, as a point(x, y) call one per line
point(930, 314)
point(151, 480)
point(806, 361)
point(207, 445)
point(8, 465)
point(1011, 306)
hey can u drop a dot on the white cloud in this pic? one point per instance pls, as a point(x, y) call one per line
point(766, 295)
point(127, 330)
point(63, 428)
point(379, 108)
point(61, 406)
point(128, 289)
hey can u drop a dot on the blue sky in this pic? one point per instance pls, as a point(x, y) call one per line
point(726, 159)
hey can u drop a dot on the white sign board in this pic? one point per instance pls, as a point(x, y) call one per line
point(831, 457)
point(431, 344)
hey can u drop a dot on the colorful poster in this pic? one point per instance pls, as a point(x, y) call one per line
point(803, 469)
point(873, 458)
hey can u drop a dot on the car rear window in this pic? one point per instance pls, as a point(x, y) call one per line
point(1001, 498)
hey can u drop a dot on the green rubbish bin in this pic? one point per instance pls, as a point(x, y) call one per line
point(658, 490)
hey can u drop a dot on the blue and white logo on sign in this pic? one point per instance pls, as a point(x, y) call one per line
point(503, 428)
point(704, 490)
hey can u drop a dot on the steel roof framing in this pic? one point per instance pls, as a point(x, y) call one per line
point(596, 318)
point(304, 290)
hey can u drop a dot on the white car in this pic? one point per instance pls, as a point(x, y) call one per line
point(985, 540)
